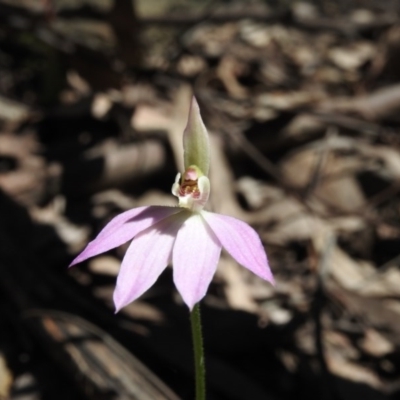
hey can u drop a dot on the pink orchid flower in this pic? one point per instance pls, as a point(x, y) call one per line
point(187, 236)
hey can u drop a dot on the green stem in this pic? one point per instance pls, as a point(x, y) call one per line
point(197, 337)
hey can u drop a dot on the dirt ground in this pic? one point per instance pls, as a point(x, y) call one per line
point(302, 102)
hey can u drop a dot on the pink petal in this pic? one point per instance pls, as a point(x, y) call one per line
point(242, 242)
point(195, 258)
point(145, 259)
point(123, 228)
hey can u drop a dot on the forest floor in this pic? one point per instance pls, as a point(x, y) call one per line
point(302, 102)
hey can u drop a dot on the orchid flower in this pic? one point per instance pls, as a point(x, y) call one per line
point(187, 236)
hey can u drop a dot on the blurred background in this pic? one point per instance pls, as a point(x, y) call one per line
point(302, 101)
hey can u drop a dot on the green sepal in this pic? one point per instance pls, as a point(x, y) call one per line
point(196, 143)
